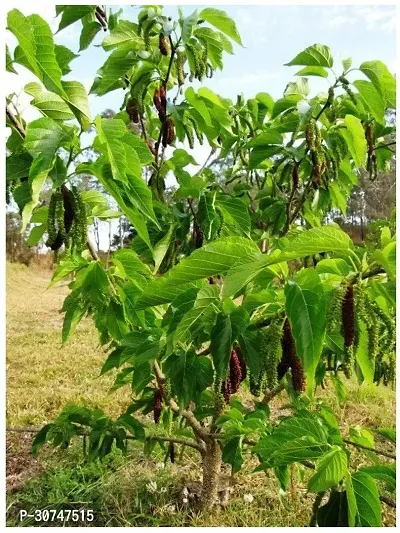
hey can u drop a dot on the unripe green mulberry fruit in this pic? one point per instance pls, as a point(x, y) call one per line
point(180, 59)
point(334, 315)
point(255, 384)
point(310, 135)
point(271, 350)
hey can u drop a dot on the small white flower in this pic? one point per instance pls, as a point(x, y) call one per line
point(248, 498)
point(151, 487)
point(163, 490)
point(185, 500)
point(185, 491)
point(160, 466)
point(170, 508)
point(303, 107)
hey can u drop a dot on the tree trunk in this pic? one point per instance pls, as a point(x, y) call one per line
point(211, 471)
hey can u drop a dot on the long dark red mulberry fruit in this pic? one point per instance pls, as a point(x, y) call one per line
point(157, 405)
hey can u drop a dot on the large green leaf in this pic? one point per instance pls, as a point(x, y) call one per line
point(330, 470)
point(64, 56)
point(306, 310)
point(235, 213)
point(221, 21)
point(232, 454)
point(71, 14)
point(384, 473)
point(383, 80)
point(310, 242)
point(43, 138)
point(18, 165)
point(50, 104)
point(317, 55)
point(366, 499)
point(125, 163)
point(124, 33)
point(77, 100)
point(210, 260)
point(221, 344)
point(355, 138)
point(36, 42)
point(113, 70)
point(372, 99)
point(89, 31)
point(203, 306)
point(189, 375)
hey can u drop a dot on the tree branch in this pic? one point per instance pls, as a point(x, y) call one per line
point(362, 447)
point(272, 393)
point(185, 442)
point(186, 413)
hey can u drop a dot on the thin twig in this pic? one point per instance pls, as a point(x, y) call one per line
point(388, 501)
point(186, 442)
point(13, 119)
point(272, 393)
point(362, 447)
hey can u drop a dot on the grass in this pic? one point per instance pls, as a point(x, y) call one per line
point(42, 377)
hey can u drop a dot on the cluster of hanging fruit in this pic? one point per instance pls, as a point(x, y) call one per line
point(351, 308)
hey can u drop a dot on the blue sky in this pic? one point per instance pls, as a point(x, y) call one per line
point(271, 35)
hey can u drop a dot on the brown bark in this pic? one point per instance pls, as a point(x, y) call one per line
point(212, 460)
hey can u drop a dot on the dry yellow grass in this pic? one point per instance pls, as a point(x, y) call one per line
point(42, 375)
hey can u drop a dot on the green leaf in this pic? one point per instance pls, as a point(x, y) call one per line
point(283, 104)
point(232, 454)
point(387, 259)
point(89, 31)
point(212, 259)
point(310, 242)
point(124, 33)
point(355, 138)
point(189, 375)
point(367, 500)
point(317, 55)
point(40, 438)
point(206, 298)
point(113, 70)
point(388, 433)
point(18, 165)
point(235, 213)
point(335, 512)
point(198, 104)
point(133, 268)
point(306, 310)
point(50, 104)
point(77, 99)
point(266, 138)
point(36, 42)
point(36, 234)
point(330, 470)
point(300, 87)
point(222, 22)
point(188, 24)
point(385, 473)
point(64, 57)
point(312, 71)
point(43, 138)
point(346, 63)
point(383, 80)
point(161, 248)
point(221, 344)
point(362, 354)
point(372, 99)
point(71, 14)
point(9, 62)
point(116, 321)
point(74, 314)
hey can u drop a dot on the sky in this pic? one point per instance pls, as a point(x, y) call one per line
point(271, 36)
